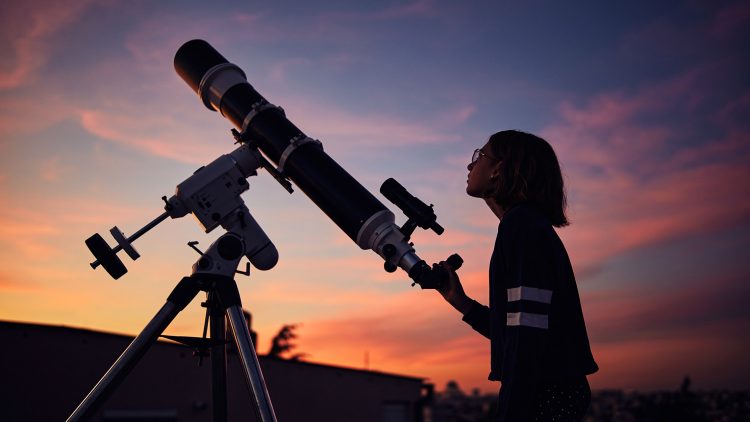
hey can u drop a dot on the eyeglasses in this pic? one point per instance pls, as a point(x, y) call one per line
point(479, 153)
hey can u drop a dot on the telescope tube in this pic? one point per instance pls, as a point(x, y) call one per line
point(223, 87)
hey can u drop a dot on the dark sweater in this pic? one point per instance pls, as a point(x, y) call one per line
point(534, 321)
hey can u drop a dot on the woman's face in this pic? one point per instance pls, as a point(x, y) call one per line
point(483, 173)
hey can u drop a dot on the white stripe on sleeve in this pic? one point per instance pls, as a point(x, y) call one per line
point(525, 319)
point(529, 293)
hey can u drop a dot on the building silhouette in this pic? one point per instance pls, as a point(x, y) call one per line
point(45, 371)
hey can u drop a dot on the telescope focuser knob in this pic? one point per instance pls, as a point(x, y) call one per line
point(435, 277)
point(455, 261)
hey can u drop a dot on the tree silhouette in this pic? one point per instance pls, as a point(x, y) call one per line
point(282, 344)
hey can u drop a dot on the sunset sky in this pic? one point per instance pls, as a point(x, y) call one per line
point(646, 103)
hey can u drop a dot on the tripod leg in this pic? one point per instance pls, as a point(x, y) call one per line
point(230, 299)
point(218, 359)
point(250, 364)
point(185, 291)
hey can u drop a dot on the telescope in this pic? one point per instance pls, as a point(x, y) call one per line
point(223, 87)
point(212, 195)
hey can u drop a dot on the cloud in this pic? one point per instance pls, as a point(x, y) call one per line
point(157, 126)
point(9, 282)
point(280, 68)
point(21, 115)
point(166, 135)
point(636, 334)
point(730, 19)
point(350, 130)
point(157, 135)
point(410, 332)
point(27, 232)
point(52, 170)
point(722, 27)
point(413, 331)
point(662, 363)
point(651, 312)
point(416, 8)
point(635, 182)
point(29, 29)
point(34, 230)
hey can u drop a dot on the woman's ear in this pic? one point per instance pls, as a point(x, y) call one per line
point(495, 172)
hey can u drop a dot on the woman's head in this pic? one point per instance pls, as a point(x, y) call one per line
point(515, 167)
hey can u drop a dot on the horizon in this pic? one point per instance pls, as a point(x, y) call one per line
point(467, 391)
point(647, 106)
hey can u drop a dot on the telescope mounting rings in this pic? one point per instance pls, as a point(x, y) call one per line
point(295, 143)
point(255, 110)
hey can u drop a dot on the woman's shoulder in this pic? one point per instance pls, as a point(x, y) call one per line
point(525, 221)
point(525, 214)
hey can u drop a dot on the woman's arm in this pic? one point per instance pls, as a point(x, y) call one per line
point(475, 314)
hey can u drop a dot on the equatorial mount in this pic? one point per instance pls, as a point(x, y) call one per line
point(212, 195)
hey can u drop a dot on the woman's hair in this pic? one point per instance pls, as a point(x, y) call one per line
point(529, 172)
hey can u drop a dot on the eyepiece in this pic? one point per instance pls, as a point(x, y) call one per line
point(415, 209)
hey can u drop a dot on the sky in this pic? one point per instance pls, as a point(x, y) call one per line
point(646, 103)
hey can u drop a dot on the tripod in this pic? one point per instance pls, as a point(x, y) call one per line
point(214, 274)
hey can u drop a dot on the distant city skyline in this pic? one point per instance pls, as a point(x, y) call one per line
point(646, 103)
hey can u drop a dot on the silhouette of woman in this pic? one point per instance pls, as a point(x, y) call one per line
point(539, 347)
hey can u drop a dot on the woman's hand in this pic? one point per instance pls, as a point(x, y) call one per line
point(453, 291)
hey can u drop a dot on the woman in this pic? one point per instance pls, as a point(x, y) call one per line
point(539, 347)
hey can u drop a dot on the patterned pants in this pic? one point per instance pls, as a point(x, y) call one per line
point(562, 402)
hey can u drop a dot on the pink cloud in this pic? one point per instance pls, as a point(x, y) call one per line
point(340, 19)
point(11, 283)
point(279, 69)
point(667, 208)
point(29, 28)
point(414, 333)
point(34, 231)
point(161, 136)
point(349, 130)
point(27, 234)
point(414, 8)
point(20, 115)
point(148, 128)
point(731, 19)
point(635, 336)
point(634, 183)
point(655, 312)
point(156, 39)
point(53, 170)
point(653, 364)
point(668, 37)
